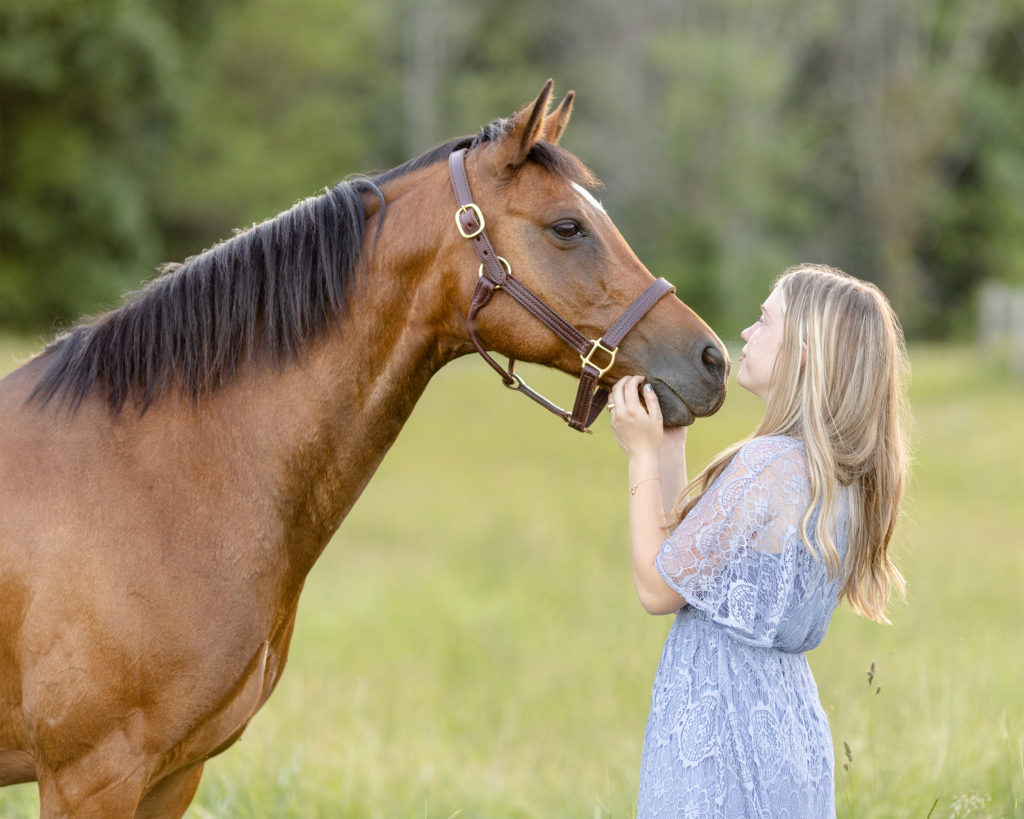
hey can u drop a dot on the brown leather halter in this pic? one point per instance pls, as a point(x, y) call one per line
point(496, 274)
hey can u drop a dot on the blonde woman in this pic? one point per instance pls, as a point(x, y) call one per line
point(763, 545)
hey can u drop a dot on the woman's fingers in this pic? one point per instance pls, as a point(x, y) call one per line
point(618, 391)
point(630, 407)
point(621, 396)
point(625, 396)
point(638, 431)
point(630, 395)
point(653, 407)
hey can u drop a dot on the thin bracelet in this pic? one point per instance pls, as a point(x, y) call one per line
point(632, 489)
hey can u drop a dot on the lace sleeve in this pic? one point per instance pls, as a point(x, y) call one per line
point(734, 556)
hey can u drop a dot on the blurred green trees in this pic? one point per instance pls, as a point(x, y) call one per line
point(89, 93)
point(734, 138)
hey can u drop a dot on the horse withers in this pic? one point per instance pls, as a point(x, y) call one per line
point(171, 470)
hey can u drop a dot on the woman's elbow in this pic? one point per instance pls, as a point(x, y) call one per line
point(663, 600)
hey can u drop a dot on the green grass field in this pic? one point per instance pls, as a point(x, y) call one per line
point(470, 644)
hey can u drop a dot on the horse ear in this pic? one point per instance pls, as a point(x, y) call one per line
point(526, 128)
point(555, 122)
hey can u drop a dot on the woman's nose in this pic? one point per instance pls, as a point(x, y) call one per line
point(745, 334)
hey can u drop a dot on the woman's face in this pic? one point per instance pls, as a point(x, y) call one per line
point(763, 341)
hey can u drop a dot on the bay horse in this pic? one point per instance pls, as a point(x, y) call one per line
point(171, 470)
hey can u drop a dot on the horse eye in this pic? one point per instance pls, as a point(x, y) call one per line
point(567, 229)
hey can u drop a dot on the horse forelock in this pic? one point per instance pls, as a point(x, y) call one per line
point(561, 162)
point(263, 294)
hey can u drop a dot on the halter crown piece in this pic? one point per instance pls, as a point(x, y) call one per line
point(597, 355)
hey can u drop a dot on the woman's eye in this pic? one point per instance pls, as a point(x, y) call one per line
point(568, 229)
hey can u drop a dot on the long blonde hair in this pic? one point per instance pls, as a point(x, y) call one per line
point(846, 401)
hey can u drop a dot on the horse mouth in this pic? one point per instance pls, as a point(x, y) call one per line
point(674, 410)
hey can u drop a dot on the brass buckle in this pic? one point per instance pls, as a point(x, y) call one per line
point(479, 216)
point(504, 263)
point(611, 361)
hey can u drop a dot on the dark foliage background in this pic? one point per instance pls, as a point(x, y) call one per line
point(734, 138)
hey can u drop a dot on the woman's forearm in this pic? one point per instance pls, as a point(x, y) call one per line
point(647, 531)
point(673, 467)
point(655, 455)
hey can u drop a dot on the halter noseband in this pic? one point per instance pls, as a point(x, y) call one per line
point(496, 274)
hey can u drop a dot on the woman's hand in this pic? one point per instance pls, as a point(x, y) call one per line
point(639, 431)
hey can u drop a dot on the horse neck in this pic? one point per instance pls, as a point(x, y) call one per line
point(334, 415)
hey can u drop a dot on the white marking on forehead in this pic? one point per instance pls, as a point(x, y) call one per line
point(587, 195)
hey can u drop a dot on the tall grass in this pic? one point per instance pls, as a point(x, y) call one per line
point(469, 644)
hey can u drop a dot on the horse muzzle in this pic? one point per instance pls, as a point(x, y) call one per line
point(694, 390)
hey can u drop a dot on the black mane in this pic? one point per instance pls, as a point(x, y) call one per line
point(264, 294)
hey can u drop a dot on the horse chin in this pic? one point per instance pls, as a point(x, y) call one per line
point(674, 410)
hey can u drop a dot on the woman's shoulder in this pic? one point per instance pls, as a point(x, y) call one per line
point(764, 449)
point(773, 459)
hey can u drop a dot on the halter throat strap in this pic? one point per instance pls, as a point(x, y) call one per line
point(597, 355)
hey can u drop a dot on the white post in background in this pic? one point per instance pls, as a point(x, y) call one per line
point(424, 30)
point(1001, 324)
point(1016, 331)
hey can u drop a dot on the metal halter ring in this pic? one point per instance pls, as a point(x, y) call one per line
point(508, 272)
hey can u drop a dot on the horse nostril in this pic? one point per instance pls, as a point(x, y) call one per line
point(714, 361)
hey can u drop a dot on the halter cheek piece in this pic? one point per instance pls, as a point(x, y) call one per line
point(597, 355)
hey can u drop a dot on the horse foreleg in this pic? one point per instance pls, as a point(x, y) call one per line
point(78, 792)
point(66, 795)
point(171, 796)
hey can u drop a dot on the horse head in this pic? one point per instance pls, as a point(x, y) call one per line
point(555, 238)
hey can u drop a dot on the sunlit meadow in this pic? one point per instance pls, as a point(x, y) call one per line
point(469, 644)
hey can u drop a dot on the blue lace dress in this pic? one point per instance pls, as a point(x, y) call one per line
point(736, 728)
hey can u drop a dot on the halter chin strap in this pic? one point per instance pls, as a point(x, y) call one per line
point(597, 355)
